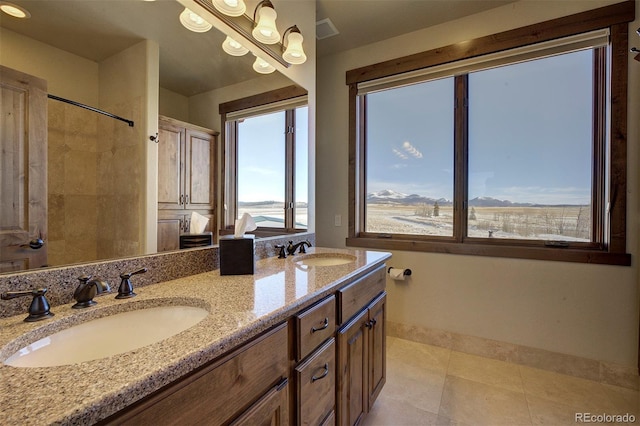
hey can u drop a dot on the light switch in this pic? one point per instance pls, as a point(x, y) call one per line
point(338, 220)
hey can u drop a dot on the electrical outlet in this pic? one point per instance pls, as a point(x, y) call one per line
point(338, 220)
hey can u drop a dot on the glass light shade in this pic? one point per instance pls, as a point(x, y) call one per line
point(263, 67)
point(295, 52)
point(14, 10)
point(234, 48)
point(194, 22)
point(230, 7)
point(266, 31)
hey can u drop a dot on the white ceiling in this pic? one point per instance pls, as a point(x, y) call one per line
point(192, 63)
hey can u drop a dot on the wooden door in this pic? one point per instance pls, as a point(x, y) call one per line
point(352, 370)
point(377, 348)
point(170, 226)
point(170, 166)
point(199, 168)
point(23, 170)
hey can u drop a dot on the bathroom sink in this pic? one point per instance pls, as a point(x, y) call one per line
point(326, 259)
point(107, 336)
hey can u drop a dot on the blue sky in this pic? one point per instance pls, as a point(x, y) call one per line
point(518, 150)
point(261, 157)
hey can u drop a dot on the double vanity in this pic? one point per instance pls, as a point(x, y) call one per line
point(299, 342)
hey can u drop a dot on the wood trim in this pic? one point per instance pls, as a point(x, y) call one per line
point(618, 136)
point(599, 164)
point(461, 156)
point(289, 172)
point(354, 168)
point(619, 13)
point(277, 95)
point(514, 252)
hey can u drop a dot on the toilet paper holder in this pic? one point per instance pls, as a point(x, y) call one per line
point(405, 272)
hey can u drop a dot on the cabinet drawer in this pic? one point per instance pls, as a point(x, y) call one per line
point(353, 297)
point(314, 326)
point(316, 380)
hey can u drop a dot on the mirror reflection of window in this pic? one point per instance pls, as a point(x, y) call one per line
point(261, 169)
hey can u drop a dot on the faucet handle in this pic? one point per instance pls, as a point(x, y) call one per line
point(39, 308)
point(125, 290)
point(281, 254)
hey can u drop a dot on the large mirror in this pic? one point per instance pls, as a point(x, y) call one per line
point(133, 59)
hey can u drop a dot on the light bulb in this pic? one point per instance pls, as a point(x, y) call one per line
point(233, 48)
point(14, 10)
point(263, 67)
point(230, 7)
point(194, 22)
point(295, 52)
point(266, 31)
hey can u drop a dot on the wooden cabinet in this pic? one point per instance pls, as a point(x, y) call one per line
point(361, 347)
point(248, 386)
point(334, 376)
point(186, 178)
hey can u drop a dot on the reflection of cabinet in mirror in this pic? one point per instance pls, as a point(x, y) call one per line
point(23, 170)
point(186, 175)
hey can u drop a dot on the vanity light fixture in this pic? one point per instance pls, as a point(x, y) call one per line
point(14, 10)
point(294, 53)
point(230, 7)
point(233, 48)
point(263, 67)
point(194, 22)
point(265, 30)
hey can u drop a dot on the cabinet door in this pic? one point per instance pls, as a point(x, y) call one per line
point(377, 347)
point(199, 170)
point(170, 226)
point(170, 166)
point(272, 409)
point(352, 370)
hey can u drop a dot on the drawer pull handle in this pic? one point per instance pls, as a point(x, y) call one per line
point(325, 325)
point(370, 324)
point(323, 375)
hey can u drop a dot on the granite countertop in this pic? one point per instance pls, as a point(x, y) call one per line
point(240, 307)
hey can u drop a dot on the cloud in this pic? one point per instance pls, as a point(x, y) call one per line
point(412, 150)
point(399, 154)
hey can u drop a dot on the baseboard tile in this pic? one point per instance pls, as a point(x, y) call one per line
point(600, 371)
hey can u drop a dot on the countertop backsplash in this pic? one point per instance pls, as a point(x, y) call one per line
point(61, 282)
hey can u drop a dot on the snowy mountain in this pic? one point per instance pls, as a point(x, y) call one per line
point(388, 196)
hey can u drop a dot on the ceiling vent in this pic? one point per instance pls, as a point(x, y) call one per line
point(325, 29)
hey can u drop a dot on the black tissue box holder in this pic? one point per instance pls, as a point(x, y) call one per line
point(236, 255)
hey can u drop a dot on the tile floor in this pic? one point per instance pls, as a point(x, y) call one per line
point(429, 385)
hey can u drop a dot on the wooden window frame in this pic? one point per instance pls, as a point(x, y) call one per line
point(229, 189)
point(612, 249)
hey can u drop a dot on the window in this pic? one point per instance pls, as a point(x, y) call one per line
point(266, 159)
point(514, 153)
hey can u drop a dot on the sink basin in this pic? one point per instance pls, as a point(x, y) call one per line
point(107, 336)
point(326, 259)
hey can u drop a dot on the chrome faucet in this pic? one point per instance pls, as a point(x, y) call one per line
point(39, 308)
point(291, 248)
point(87, 290)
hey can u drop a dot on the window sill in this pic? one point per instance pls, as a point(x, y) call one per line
point(476, 249)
